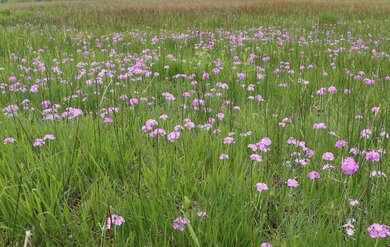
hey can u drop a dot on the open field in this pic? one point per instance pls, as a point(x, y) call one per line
point(195, 123)
point(203, 14)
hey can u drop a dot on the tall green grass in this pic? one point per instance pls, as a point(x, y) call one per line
point(65, 190)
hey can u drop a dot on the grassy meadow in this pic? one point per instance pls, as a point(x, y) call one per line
point(195, 123)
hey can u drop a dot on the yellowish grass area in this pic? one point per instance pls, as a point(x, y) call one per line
point(173, 13)
point(313, 5)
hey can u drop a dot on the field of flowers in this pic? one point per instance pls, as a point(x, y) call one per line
point(224, 129)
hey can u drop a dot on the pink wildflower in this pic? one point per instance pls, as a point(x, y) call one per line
point(179, 223)
point(9, 140)
point(39, 143)
point(349, 166)
point(115, 220)
point(133, 101)
point(173, 136)
point(319, 126)
point(292, 183)
point(228, 140)
point(353, 202)
point(314, 175)
point(157, 132)
point(223, 157)
point(373, 156)
point(375, 109)
point(261, 187)
point(256, 157)
point(341, 144)
point(49, 137)
point(378, 231)
point(328, 156)
point(107, 120)
point(366, 133)
point(201, 214)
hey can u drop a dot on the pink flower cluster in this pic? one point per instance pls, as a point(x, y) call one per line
point(261, 187)
point(319, 126)
point(349, 227)
point(72, 113)
point(328, 156)
point(9, 140)
point(349, 166)
point(373, 156)
point(341, 144)
point(115, 220)
point(262, 145)
point(292, 182)
point(313, 175)
point(41, 141)
point(179, 223)
point(378, 230)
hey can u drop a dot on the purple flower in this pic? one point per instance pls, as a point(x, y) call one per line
point(349, 166)
point(189, 125)
point(241, 76)
point(72, 113)
point(49, 137)
point(164, 117)
point(133, 101)
point(168, 96)
point(321, 91)
point(328, 156)
point(107, 120)
point(179, 223)
point(327, 167)
point(261, 187)
point(11, 110)
point(314, 175)
point(349, 228)
point(9, 140)
point(332, 89)
point(366, 133)
point(115, 220)
point(350, 231)
point(12, 79)
point(45, 104)
point(377, 173)
point(373, 156)
point(319, 126)
point(201, 214)
point(292, 183)
point(223, 157)
point(228, 140)
point(173, 136)
point(39, 142)
point(150, 123)
point(353, 202)
point(375, 109)
point(354, 150)
point(378, 231)
point(264, 244)
point(157, 132)
point(341, 144)
point(262, 145)
point(256, 157)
